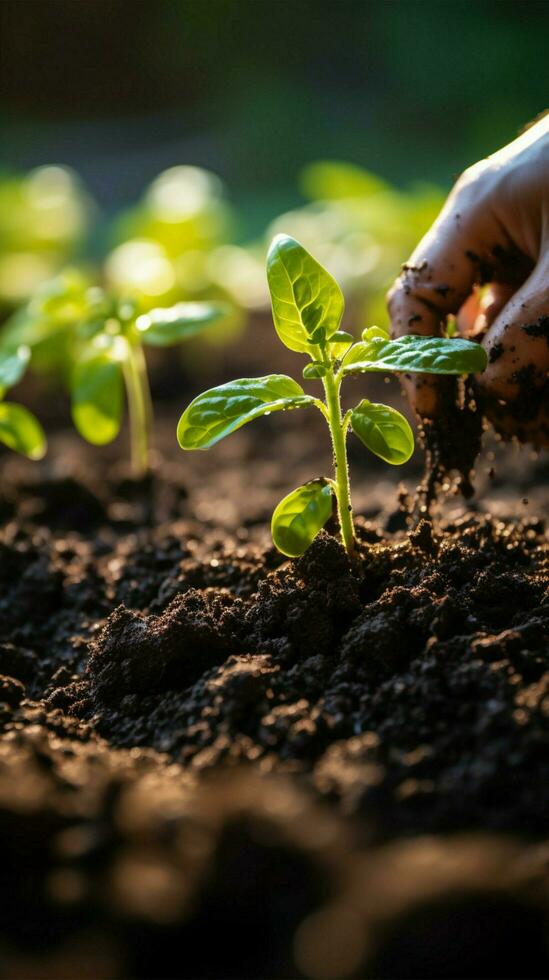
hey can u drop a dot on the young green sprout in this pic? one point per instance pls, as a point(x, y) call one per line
point(114, 359)
point(19, 429)
point(102, 338)
point(308, 306)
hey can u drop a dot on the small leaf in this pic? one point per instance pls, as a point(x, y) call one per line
point(429, 355)
point(341, 337)
point(370, 333)
point(13, 364)
point(21, 431)
point(300, 516)
point(314, 370)
point(384, 431)
point(97, 395)
point(358, 353)
point(218, 412)
point(163, 327)
point(304, 296)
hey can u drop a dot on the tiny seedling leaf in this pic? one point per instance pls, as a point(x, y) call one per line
point(429, 355)
point(342, 337)
point(13, 364)
point(371, 332)
point(97, 394)
point(304, 296)
point(164, 327)
point(316, 369)
point(384, 431)
point(21, 431)
point(300, 516)
point(218, 412)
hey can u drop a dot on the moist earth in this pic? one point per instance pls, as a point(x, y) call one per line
point(337, 767)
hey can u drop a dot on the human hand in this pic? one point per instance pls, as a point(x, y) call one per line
point(493, 232)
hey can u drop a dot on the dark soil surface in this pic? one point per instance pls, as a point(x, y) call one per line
point(218, 763)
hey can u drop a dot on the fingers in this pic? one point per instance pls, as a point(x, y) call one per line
point(514, 387)
point(465, 246)
point(481, 309)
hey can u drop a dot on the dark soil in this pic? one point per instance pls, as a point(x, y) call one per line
point(538, 329)
point(218, 763)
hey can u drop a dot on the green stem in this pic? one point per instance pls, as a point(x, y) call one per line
point(139, 407)
point(342, 488)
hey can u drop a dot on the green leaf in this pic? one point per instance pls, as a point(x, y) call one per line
point(318, 336)
point(304, 296)
point(342, 337)
point(384, 431)
point(97, 395)
point(370, 333)
point(58, 305)
point(316, 369)
point(218, 412)
point(429, 355)
point(21, 431)
point(13, 364)
point(300, 516)
point(163, 327)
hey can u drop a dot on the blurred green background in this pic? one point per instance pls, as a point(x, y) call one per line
point(253, 90)
point(153, 149)
point(190, 131)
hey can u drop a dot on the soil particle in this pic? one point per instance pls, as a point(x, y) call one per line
point(422, 537)
point(538, 329)
point(496, 350)
point(11, 691)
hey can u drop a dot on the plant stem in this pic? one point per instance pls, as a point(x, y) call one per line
point(139, 406)
point(342, 488)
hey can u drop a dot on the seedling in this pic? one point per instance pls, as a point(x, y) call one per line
point(19, 429)
point(307, 306)
point(102, 338)
point(114, 358)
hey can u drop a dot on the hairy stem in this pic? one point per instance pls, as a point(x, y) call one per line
point(139, 407)
point(342, 488)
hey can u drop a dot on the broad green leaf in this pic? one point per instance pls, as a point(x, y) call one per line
point(300, 516)
point(164, 327)
point(384, 431)
point(304, 296)
point(218, 412)
point(97, 394)
point(21, 431)
point(13, 364)
point(428, 355)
